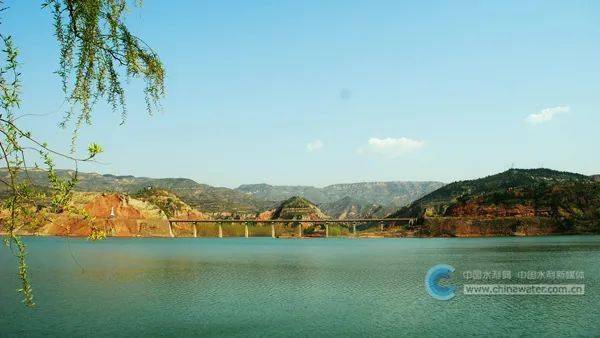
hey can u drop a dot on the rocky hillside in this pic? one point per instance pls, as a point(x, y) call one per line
point(349, 207)
point(110, 213)
point(567, 198)
point(171, 205)
point(114, 215)
point(396, 194)
point(298, 208)
point(201, 196)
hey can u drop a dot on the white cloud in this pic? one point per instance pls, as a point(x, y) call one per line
point(547, 114)
point(314, 145)
point(390, 147)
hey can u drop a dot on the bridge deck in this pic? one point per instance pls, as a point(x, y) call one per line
point(353, 220)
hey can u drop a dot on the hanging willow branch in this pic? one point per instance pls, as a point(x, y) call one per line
point(97, 53)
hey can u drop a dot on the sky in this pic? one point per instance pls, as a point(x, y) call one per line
point(324, 92)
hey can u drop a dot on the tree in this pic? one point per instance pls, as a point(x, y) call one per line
point(97, 52)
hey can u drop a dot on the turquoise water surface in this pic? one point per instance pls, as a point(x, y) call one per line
point(279, 287)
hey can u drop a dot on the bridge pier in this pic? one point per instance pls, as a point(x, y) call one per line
point(300, 230)
point(354, 229)
point(326, 230)
point(171, 229)
point(194, 225)
point(220, 231)
point(272, 230)
point(246, 230)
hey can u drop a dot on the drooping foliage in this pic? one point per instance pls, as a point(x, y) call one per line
point(97, 51)
point(97, 54)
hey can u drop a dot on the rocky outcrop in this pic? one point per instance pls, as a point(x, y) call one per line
point(265, 215)
point(116, 215)
point(170, 204)
point(113, 206)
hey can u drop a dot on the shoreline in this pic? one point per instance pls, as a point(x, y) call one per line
point(314, 237)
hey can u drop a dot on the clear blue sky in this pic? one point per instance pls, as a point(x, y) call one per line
point(323, 92)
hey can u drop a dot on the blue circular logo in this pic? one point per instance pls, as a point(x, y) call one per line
point(432, 282)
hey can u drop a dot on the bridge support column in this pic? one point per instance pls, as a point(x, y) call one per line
point(272, 230)
point(220, 231)
point(246, 230)
point(194, 225)
point(171, 229)
point(326, 230)
point(354, 229)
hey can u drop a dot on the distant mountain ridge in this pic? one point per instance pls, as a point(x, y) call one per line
point(203, 197)
point(365, 197)
point(349, 207)
point(396, 194)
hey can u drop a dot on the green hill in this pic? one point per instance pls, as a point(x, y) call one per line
point(516, 192)
point(298, 208)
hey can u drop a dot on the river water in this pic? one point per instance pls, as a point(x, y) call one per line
point(287, 287)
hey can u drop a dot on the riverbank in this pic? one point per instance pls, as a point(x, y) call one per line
point(445, 232)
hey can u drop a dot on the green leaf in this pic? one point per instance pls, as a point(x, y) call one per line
point(94, 149)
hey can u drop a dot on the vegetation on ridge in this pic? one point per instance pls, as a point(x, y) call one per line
point(166, 201)
point(298, 208)
point(566, 197)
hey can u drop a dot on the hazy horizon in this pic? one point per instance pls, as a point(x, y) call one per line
point(297, 185)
